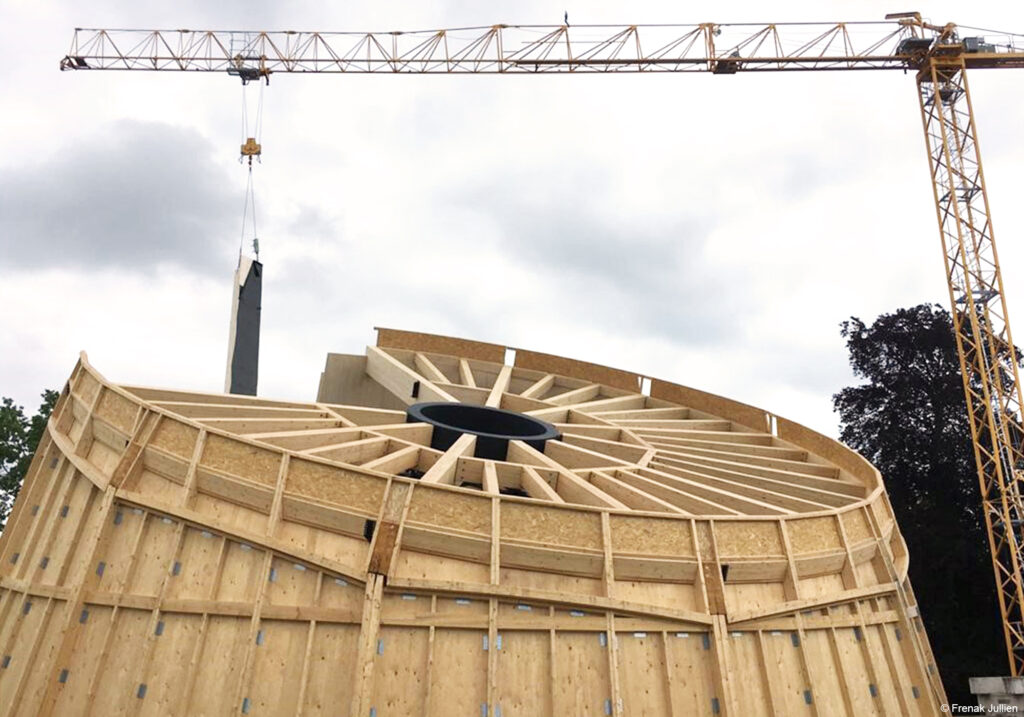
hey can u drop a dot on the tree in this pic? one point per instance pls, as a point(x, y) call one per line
point(19, 437)
point(910, 419)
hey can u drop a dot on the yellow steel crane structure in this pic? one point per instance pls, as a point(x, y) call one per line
point(938, 55)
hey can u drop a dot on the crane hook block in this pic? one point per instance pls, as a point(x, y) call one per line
point(251, 148)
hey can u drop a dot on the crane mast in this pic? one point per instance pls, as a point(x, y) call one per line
point(988, 360)
point(939, 56)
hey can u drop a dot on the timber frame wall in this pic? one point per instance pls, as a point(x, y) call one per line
point(160, 563)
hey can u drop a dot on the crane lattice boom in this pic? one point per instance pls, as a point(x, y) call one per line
point(708, 47)
point(938, 55)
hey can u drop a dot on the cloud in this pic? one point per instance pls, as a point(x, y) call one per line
point(137, 196)
point(596, 254)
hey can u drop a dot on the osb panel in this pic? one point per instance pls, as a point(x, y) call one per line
point(736, 539)
point(578, 369)
point(808, 535)
point(441, 507)
point(856, 526)
point(749, 416)
point(86, 386)
point(335, 485)
point(241, 459)
point(550, 525)
point(117, 411)
point(175, 437)
point(432, 343)
point(832, 451)
point(651, 535)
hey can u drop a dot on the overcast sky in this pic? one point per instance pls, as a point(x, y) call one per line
point(712, 231)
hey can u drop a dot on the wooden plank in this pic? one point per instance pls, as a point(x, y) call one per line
point(396, 462)
point(539, 387)
point(575, 457)
point(400, 380)
point(354, 452)
point(577, 369)
point(719, 491)
point(68, 632)
point(444, 470)
point(490, 476)
point(576, 396)
point(569, 486)
point(753, 463)
point(205, 411)
point(244, 685)
point(631, 496)
point(537, 487)
point(431, 343)
point(386, 537)
point(368, 631)
point(500, 386)
point(830, 450)
point(812, 603)
point(675, 495)
point(822, 490)
point(255, 426)
point(709, 446)
point(466, 373)
point(615, 448)
point(741, 413)
point(426, 367)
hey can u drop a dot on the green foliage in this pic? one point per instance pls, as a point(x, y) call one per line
point(910, 419)
point(19, 437)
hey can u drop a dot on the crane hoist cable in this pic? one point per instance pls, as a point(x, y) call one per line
point(250, 147)
point(249, 210)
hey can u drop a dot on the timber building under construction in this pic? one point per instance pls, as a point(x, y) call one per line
point(453, 528)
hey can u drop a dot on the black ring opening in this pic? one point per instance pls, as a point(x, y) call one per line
point(493, 427)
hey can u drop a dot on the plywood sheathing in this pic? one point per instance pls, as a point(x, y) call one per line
point(855, 524)
point(741, 413)
point(118, 411)
point(542, 525)
point(244, 460)
point(578, 369)
point(431, 343)
point(809, 535)
point(175, 437)
point(337, 485)
point(747, 539)
point(651, 536)
point(464, 512)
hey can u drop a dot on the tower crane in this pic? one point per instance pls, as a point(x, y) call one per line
point(939, 57)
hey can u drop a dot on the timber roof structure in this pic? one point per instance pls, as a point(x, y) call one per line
point(452, 527)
